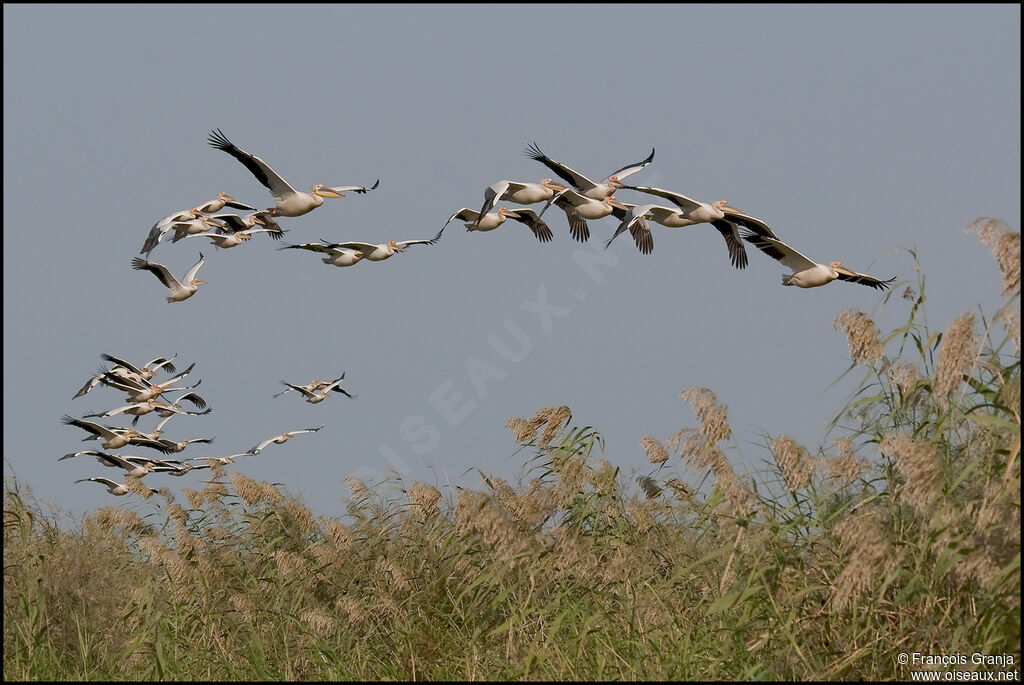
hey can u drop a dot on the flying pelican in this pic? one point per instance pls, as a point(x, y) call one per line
point(474, 221)
point(140, 391)
point(335, 256)
point(112, 487)
point(162, 408)
point(123, 369)
point(382, 251)
point(114, 438)
point(179, 291)
point(321, 393)
point(290, 202)
point(519, 192)
point(586, 187)
point(235, 223)
point(220, 202)
point(133, 466)
point(807, 273)
point(578, 208)
point(171, 446)
point(202, 224)
point(229, 240)
point(160, 228)
point(688, 212)
point(281, 439)
point(313, 385)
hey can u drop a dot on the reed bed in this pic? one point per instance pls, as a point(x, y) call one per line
point(901, 535)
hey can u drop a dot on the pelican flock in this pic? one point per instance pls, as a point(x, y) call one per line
point(581, 199)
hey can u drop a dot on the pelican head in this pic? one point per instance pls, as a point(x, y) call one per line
point(395, 246)
point(224, 196)
point(612, 202)
point(835, 265)
point(614, 182)
point(551, 185)
point(505, 211)
point(320, 190)
point(196, 282)
point(720, 205)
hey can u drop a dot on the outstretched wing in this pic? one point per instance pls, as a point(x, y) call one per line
point(159, 270)
point(260, 169)
point(630, 168)
point(854, 277)
point(575, 178)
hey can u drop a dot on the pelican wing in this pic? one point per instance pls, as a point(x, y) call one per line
point(854, 277)
point(756, 225)
point(687, 204)
point(312, 247)
point(431, 241)
point(161, 361)
point(576, 179)
point(94, 428)
point(464, 214)
point(159, 270)
point(239, 205)
point(336, 388)
point(780, 251)
point(304, 391)
point(359, 247)
point(630, 168)
point(233, 222)
point(355, 189)
point(279, 187)
point(75, 454)
point(122, 363)
point(634, 220)
point(493, 194)
point(193, 271)
point(541, 231)
point(737, 253)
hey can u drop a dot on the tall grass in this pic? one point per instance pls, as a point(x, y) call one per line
point(903, 536)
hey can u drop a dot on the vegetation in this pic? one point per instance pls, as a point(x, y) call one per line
point(902, 536)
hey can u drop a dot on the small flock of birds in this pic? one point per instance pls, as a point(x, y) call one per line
point(580, 198)
point(145, 396)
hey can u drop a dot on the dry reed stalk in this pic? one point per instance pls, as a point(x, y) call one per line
point(847, 466)
point(1005, 247)
point(795, 463)
point(920, 467)
point(358, 489)
point(713, 417)
point(861, 336)
point(656, 452)
point(957, 355)
point(869, 553)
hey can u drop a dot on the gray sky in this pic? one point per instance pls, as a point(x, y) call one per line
point(856, 132)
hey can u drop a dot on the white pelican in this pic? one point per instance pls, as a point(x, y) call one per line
point(586, 187)
point(313, 385)
point(123, 369)
point(160, 228)
point(112, 487)
point(807, 273)
point(381, 251)
point(335, 256)
point(281, 439)
point(519, 192)
point(179, 291)
point(133, 466)
point(235, 223)
point(578, 208)
point(202, 224)
point(171, 446)
point(141, 391)
point(114, 438)
point(320, 394)
point(474, 221)
point(220, 202)
point(229, 240)
point(162, 408)
point(290, 202)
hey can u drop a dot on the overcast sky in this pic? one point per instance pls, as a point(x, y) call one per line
point(856, 132)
